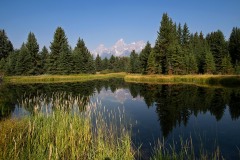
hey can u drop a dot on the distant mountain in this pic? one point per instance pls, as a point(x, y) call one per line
point(120, 48)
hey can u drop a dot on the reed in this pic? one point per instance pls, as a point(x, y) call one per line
point(66, 134)
point(186, 151)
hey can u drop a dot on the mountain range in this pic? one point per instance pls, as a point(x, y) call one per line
point(120, 48)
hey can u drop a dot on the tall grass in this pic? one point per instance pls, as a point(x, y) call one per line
point(222, 80)
point(61, 78)
point(219, 80)
point(61, 134)
point(186, 151)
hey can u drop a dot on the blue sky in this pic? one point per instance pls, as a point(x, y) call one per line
point(106, 21)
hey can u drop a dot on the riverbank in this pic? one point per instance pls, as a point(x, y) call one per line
point(203, 80)
point(61, 78)
point(216, 80)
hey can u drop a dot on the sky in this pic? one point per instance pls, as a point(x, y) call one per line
point(106, 21)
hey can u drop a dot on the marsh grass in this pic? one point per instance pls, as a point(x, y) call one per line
point(62, 134)
point(186, 151)
point(61, 78)
point(202, 80)
point(213, 80)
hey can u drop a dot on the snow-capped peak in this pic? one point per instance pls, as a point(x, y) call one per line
point(120, 48)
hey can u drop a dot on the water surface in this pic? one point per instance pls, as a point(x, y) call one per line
point(210, 116)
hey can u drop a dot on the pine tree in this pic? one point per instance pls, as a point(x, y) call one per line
point(78, 56)
point(177, 65)
point(65, 65)
point(190, 64)
point(175, 53)
point(226, 65)
point(200, 48)
point(162, 43)
point(11, 62)
point(98, 63)
point(167, 47)
point(44, 55)
point(117, 66)
point(151, 65)
point(134, 63)
point(33, 49)
point(237, 68)
point(83, 60)
point(185, 36)
point(143, 57)
point(218, 48)
point(105, 64)
point(234, 45)
point(58, 46)
point(179, 33)
point(209, 67)
point(123, 63)
point(23, 63)
point(91, 65)
point(111, 63)
point(5, 45)
point(192, 59)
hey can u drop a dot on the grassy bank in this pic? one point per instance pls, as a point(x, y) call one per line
point(61, 78)
point(217, 80)
point(222, 80)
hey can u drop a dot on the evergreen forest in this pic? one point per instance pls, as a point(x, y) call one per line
point(176, 51)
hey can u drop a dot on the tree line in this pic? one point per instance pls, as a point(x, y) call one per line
point(176, 51)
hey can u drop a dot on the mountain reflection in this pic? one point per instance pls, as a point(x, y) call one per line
point(174, 103)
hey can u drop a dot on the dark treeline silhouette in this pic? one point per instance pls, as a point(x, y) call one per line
point(176, 51)
point(176, 103)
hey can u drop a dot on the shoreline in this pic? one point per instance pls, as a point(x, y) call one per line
point(202, 80)
point(60, 78)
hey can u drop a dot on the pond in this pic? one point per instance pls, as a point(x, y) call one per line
point(209, 116)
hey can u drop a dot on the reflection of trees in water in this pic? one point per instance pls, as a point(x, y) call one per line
point(176, 103)
point(7, 102)
point(13, 94)
point(235, 104)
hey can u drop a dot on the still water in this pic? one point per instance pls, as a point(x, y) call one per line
point(209, 116)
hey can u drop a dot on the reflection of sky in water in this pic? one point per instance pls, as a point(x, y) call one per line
point(19, 112)
point(119, 96)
